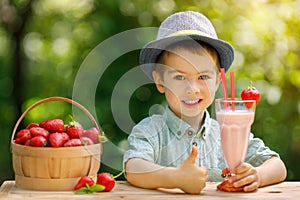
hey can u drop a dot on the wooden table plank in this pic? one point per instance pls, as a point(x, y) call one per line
point(124, 191)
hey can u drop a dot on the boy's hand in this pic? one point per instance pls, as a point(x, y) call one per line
point(246, 176)
point(190, 177)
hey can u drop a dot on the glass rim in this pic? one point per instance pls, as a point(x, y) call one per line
point(236, 100)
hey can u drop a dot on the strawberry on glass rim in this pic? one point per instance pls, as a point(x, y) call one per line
point(250, 93)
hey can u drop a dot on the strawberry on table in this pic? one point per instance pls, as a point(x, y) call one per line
point(107, 180)
point(53, 125)
point(251, 93)
point(86, 185)
point(83, 181)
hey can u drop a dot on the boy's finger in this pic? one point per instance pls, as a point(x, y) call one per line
point(192, 157)
point(242, 168)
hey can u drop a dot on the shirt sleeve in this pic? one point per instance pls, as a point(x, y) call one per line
point(140, 143)
point(258, 152)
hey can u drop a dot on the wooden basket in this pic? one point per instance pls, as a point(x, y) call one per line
point(53, 169)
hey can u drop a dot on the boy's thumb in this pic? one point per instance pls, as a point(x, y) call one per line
point(192, 157)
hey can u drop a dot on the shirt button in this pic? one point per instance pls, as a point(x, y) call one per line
point(190, 133)
point(179, 133)
point(195, 144)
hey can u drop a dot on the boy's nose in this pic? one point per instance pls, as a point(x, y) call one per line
point(193, 88)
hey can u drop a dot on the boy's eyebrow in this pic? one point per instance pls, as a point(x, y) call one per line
point(171, 71)
point(211, 71)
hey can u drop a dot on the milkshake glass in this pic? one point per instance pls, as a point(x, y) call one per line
point(235, 118)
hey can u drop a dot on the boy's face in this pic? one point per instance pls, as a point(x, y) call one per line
point(189, 82)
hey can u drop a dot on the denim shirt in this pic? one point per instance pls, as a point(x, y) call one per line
point(166, 140)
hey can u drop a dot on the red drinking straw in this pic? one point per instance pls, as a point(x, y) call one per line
point(232, 89)
point(223, 79)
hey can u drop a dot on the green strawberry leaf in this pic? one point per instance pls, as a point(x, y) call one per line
point(96, 188)
point(102, 138)
point(90, 189)
point(84, 143)
point(83, 190)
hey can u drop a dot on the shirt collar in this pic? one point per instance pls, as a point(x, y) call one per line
point(180, 127)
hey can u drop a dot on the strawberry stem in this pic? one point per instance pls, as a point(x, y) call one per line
point(116, 176)
point(251, 87)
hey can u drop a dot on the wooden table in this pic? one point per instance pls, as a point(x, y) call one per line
point(123, 190)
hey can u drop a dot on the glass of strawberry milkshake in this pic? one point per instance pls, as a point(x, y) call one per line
point(235, 118)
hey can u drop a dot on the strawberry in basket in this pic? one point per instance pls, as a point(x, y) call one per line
point(55, 133)
point(54, 125)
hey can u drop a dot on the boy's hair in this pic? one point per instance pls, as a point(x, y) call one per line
point(197, 47)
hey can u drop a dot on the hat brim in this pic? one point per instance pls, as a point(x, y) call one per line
point(151, 51)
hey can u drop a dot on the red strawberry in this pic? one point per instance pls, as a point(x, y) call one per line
point(83, 181)
point(86, 141)
point(74, 130)
point(65, 136)
point(92, 133)
point(23, 135)
point(27, 143)
point(18, 141)
point(86, 185)
point(35, 131)
point(38, 141)
point(53, 125)
point(225, 172)
point(57, 139)
point(251, 93)
point(73, 142)
point(31, 125)
point(107, 180)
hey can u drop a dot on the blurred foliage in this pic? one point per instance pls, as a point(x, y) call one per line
point(44, 42)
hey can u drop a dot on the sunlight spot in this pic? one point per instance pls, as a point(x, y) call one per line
point(61, 46)
point(127, 8)
point(145, 18)
point(273, 95)
point(32, 45)
point(167, 6)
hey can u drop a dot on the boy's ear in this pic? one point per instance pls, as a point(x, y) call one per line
point(158, 81)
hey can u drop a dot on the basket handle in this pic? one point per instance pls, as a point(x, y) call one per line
point(53, 99)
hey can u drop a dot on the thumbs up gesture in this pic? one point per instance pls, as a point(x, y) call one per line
point(192, 178)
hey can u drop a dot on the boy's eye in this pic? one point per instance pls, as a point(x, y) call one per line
point(179, 77)
point(203, 77)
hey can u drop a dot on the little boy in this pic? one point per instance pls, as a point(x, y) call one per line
point(182, 147)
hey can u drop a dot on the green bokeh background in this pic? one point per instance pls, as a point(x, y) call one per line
point(44, 42)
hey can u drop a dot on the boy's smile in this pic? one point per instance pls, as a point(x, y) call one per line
point(189, 82)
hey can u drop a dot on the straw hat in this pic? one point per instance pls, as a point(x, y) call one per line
point(183, 26)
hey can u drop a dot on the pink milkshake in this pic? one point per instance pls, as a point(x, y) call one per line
point(235, 128)
point(235, 124)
